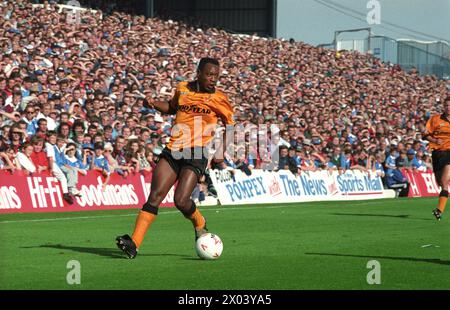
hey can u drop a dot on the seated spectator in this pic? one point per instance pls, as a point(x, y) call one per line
point(402, 160)
point(55, 170)
point(80, 165)
point(16, 137)
point(151, 159)
point(345, 161)
point(336, 156)
point(252, 159)
point(107, 152)
point(396, 180)
point(132, 162)
point(6, 163)
point(308, 161)
point(132, 147)
point(329, 164)
point(359, 161)
point(390, 163)
point(31, 120)
point(377, 165)
point(285, 162)
point(39, 157)
point(318, 159)
point(427, 161)
point(298, 156)
point(69, 171)
point(24, 159)
point(99, 163)
point(418, 163)
point(414, 161)
point(143, 162)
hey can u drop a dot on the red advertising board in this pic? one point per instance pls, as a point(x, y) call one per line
point(422, 184)
point(42, 193)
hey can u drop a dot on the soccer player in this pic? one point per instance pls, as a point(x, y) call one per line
point(193, 102)
point(438, 133)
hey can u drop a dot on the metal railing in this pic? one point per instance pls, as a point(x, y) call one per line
point(430, 58)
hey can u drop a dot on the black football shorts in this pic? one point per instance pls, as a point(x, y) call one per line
point(440, 160)
point(194, 159)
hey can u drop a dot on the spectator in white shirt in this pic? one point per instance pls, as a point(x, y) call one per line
point(24, 158)
point(55, 169)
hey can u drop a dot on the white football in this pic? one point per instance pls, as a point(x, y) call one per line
point(209, 246)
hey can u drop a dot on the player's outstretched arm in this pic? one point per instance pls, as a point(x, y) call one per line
point(166, 107)
point(161, 106)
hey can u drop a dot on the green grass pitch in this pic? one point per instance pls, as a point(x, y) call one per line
point(324, 245)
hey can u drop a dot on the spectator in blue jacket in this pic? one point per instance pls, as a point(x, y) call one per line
point(80, 165)
point(100, 163)
point(418, 162)
point(395, 179)
point(62, 162)
point(346, 160)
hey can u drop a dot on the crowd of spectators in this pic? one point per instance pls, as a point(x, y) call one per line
point(77, 86)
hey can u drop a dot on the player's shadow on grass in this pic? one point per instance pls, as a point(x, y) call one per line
point(401, 216)
point(411, 259)
point(106, 252)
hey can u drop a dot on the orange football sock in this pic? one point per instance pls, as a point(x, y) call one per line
point(143, 222)
point(442, 203)
point(197, 219)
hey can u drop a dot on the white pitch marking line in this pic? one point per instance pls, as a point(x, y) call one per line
point(135, 214)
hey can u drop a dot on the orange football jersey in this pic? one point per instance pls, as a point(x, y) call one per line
point(439, 128)
point(197, 116)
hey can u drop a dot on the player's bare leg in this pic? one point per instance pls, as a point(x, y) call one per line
point(443, 195)
point(163, 179)
point(187, 181)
